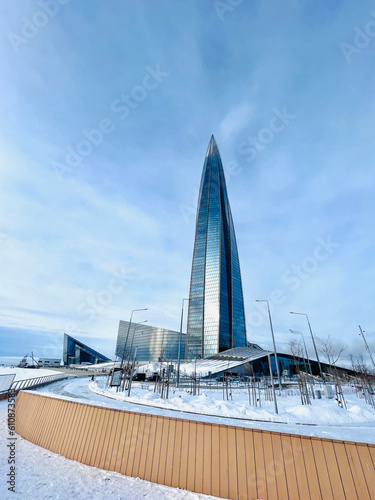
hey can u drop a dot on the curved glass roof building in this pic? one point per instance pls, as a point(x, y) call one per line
point(216, 318)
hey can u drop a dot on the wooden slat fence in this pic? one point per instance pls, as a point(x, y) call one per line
point(220, 460)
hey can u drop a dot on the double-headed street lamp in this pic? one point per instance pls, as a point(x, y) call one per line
point(274, 344)
point(313, 341)
point(304, 343)
point(179, 345)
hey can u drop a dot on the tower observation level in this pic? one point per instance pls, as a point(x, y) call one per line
point(216, 318)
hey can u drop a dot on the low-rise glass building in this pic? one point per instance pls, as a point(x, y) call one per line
point(76, 353)
point(152, 343)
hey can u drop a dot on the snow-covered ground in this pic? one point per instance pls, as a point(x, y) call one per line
point(41, 474)
point(26, 373)
point(290, 410)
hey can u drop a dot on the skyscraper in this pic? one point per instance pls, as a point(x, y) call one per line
point(216, 318)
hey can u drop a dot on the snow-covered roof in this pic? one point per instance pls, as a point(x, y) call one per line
point(225, 360)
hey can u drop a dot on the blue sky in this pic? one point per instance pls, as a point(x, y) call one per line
point(107, 110)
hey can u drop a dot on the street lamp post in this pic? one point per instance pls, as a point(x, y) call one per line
point(179, 345)
point(274, 344)
point(272, 384)
point(304, 343)
point(366, 345)
point(316, 351)
point(127, 335)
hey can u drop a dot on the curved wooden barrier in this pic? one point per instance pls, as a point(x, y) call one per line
point(220, 460)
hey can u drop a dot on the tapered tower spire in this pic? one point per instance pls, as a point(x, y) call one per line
point(216, 319)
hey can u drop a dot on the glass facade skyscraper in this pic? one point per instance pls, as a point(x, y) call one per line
point(216, 318)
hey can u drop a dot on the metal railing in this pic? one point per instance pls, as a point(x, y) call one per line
point(32, 383)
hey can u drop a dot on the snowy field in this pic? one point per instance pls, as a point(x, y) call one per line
point(291, 411)
point(26, 373)
point(41, 474)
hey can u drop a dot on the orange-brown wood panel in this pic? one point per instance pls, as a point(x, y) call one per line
point(224, 467)
point(190, 480)
point(91, 436)
point(150, 448)
point(85, 432)
point(43, 423)
point(46, 423)
point(135, 442)
point(207, 459)
point(232, 463)
point(299, 463)
point(57, 415)
point(251, 476)
point(127, 443)
point(199, 458)
point(157, 449)
point(177, 454)
point(372, 453)
point(118, 446)
point(103, 443)
point(75, 433)
point(346, 474)
point(169, 459)
point(241, 464)
point(311, 470)
point(19, 413)
point(91, 460)
point(143, 458)
point(322, 470)
point(107, 437)
point(215, 460)
point(260, 468)
point(36, 412)
point(127, 463)
point(184, 455)
point(367, 467)
point(67, 427)
point(281, 484)
point(71, 430)
point(163, 451)
point(85, 419)
point(28, 404)
point(138, 445)
point(357, 471)
point(23, 415)
point(333, 470)
point(269, 465)
point(58, 435)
